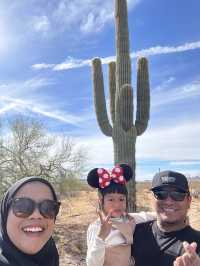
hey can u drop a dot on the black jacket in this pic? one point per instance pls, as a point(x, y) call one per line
point(153, 247)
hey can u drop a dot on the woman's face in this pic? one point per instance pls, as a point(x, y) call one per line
point(31, 234)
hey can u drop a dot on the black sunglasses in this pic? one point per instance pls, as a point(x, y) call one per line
point(174, 195)
point(24, 207)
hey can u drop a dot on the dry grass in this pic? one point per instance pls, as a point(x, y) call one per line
point(77, 212)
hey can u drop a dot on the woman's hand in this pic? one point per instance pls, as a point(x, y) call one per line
point(106, 224)
point(190, 257)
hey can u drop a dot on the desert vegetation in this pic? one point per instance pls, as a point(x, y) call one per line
point(27, 148)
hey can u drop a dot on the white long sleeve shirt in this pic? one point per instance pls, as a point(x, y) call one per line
point(96, 246)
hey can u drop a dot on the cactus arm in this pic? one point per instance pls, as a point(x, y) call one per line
point(143, 96)
point(124, 107)
point(99, 98)
point(112, 88)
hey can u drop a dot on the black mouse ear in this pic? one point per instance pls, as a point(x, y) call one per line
point(127, 171)
point(93, 178)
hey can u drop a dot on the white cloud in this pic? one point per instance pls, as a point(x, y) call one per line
point(7, 108)
point(16, 89)
point(178, 146)
point(180, 142)
point(186, 163)
point(43, 66)
point(63, 117)
point(23, 106)
point(100, 149)
point(13, 94)
point(71, 62)
point(89, 17)
point(23, 97)
point(41, 24)
point(57, 16)
point(142, 175)
point(95, 23)
point(157, 50)
point(133, 3)
point(162, 96)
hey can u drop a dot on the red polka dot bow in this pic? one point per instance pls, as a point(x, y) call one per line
point(105, 177)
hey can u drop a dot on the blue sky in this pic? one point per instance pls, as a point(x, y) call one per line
point(46, 48)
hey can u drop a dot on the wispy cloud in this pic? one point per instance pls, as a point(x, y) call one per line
point(31, 96)
point(163, 96)
point(7, 108)
point(43, 66)
point(100, 150)
point(186, 163)
point(20, 105)
point(39, 18)
point(157, 50)
point(133, 3)
point(63, 117)
point(90, 17)
point(166, 147)
point(180, 144)
point(25, 86)
point(71, 62)
point(41, 24)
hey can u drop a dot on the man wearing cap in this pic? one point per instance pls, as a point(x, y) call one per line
point(169, 240)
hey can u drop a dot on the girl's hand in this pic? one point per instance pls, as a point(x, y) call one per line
point(128, 217)
point(106, 224)
point(190, 257)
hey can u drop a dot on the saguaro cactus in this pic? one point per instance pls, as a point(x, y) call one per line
point(123, 131)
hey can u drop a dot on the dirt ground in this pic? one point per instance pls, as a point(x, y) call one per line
point(76, 214)
point(71, 226)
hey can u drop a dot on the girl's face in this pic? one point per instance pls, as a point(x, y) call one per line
point(30, 234)
point(114, 203)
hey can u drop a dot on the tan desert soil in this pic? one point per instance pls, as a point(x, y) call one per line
point(71, 226)
point(79, 211)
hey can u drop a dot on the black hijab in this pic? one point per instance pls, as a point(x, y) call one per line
point(11, 255)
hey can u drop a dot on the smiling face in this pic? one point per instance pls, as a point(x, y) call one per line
point(31, 234)
point(114, 202)
point(171, 214)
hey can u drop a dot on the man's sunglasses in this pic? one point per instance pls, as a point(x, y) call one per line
point(174, 195)
point(24, 207)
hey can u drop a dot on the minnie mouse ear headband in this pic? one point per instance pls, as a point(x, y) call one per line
point(101, 178)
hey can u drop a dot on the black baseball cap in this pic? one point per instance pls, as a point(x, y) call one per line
point(170, 178)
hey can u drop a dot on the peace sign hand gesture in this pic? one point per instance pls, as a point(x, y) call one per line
point(106, 224)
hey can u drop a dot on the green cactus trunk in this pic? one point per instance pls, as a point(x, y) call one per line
point(123, 131)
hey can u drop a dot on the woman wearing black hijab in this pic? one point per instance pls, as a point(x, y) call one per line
point(28, 212)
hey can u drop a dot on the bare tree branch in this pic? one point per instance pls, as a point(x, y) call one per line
point(28, 150)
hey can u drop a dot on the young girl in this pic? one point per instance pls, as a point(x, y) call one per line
point(109, 238)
